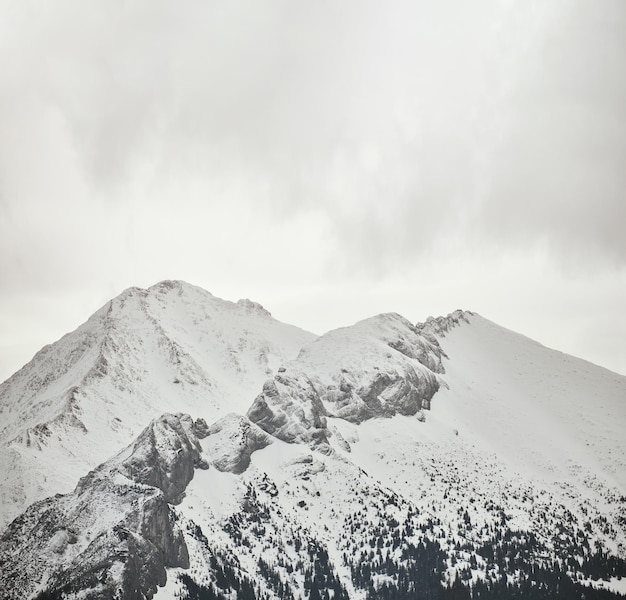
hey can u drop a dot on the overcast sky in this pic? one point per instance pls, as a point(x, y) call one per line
point(331, 160)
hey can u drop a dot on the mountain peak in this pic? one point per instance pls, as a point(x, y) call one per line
point(337, 482)
point(96, 386)
point(163, 288)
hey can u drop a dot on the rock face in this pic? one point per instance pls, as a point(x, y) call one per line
point(231, 441)
point(379, 367)
point(166, 454)
point(116, 533)
point(435, 327)
point(290, 408)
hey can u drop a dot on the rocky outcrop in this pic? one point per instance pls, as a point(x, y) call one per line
point(163, 456)
point(112, 541)
point(116, 533)
point(253, 307)
point(166, 454)
point(439, 326)
point(231, 441)
point(290, 408)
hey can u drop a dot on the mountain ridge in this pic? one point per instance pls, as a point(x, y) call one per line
point(450, 459)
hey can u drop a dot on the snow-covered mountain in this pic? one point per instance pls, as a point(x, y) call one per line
point(448, 459)
point(170, 347)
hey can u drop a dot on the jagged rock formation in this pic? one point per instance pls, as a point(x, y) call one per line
point(290, 409)
point(164, 456)
point(115, 534)
point(435, 327)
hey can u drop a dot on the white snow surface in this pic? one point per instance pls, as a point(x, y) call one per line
point(172, 347)
point(547, 414)
point(363, 346)
point(380, 366)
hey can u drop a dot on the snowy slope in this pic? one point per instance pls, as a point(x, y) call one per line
point(522, 451)
point(539, 409)
point(144, 352)
point(544, 414)
point(521, 433)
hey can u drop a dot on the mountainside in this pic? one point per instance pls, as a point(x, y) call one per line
point(143, 353)
point(448, 459)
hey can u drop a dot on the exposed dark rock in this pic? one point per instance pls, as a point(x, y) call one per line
point(116, 533)
point(200, 428)
point(165, 455)
point(439, 326)
point(125, 537)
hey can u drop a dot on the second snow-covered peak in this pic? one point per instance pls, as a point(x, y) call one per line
point(378, 367)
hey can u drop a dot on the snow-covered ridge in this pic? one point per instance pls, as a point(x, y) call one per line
point(378, 367)
point(545, 411)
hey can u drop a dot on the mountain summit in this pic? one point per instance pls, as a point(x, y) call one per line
point(181, 446)
point(142, 353)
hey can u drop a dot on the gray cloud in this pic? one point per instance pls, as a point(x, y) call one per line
point(559, 173)
point(424, 104)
